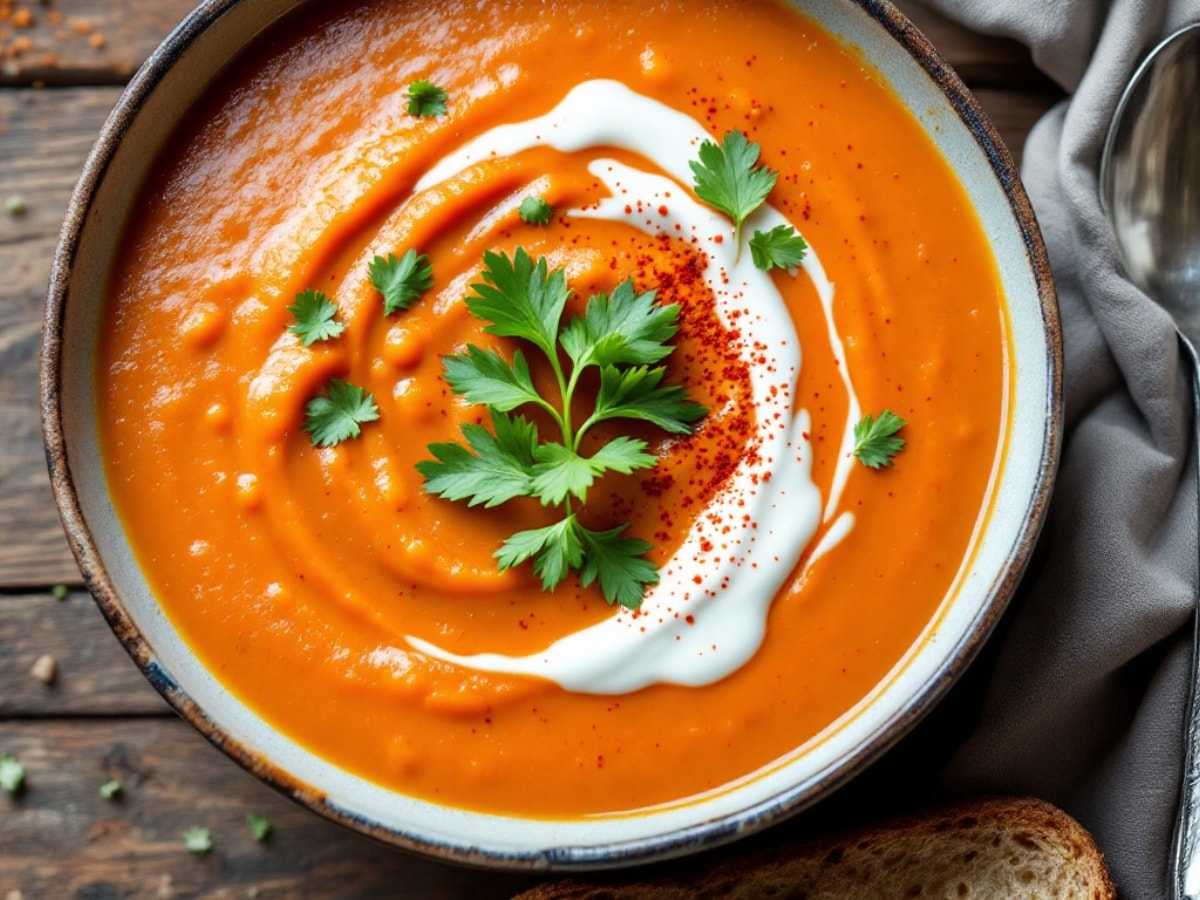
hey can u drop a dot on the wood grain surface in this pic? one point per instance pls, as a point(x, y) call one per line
point(61, 67)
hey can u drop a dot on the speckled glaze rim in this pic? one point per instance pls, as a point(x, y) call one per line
point(703, 834)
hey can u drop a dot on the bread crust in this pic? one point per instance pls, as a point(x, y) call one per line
point(995, 847)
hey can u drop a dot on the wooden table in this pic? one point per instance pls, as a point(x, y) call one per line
point(62, 65)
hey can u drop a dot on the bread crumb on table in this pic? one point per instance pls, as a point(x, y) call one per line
point(45, 669)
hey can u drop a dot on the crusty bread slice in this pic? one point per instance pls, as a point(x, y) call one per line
point(992, 848)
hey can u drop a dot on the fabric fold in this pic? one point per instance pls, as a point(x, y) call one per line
point(1082, 698)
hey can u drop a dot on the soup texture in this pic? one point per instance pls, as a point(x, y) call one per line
point(368, 619)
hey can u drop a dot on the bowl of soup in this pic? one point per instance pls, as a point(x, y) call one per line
point(551, 439)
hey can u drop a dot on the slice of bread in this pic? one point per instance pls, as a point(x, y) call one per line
point(990, 848)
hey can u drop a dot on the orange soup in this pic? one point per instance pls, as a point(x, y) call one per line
point(368, 619)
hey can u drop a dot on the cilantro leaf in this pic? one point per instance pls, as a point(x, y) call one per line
point(496, 468)
point(260, 826)
point(780, 248)
point(12, 774)
point(728, 178)
point(401, 281)
point(484, 376)
point(635, 393)
point(316, 318)
point(198, 839)
point(535, 211)
point(874, 440)
point(555, 550)
point(622, 328)
point(619, 563)
point(426, 99)
point(520, 299)
point(337, 414)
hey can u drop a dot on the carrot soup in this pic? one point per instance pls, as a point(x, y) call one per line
point(304, 283)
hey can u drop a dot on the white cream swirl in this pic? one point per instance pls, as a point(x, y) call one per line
point(707, 615)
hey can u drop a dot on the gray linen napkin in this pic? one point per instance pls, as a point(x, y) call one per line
point(1084, 690)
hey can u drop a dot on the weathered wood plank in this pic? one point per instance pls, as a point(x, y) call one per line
point(82, 41)
point(94, 674)
point(44, 139)
point(61, 839)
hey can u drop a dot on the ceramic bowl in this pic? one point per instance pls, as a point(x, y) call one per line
point(160, 96)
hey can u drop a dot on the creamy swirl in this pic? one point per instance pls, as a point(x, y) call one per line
point(707, 615)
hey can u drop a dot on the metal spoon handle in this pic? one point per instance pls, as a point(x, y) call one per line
point(1185, 864)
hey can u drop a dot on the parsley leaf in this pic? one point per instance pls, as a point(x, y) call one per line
point(622, 328)
point(560, 472)
point(497, 467)
point(401, 281)
point(336, 415)
point(484, 376)
point(111, 789)
point(198, 839)
point(316, 318)
point(780, 248)
point(622, 454)
point(728, 178)
point(874, 441)
point(555, 549)
point(637, 394)
point(426, 99)
point(260, 826)
point(618, 562)
point(535, 211)
point(520, 298)
point(623, 335)
point(12, 774)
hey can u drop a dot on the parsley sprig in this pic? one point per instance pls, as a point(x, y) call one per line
point(426, 99)
point(535, 211)
point(338, 414)
point(875, 441)
point(622, 335)
point(729, 178)
point(316, 318)
point(779, 248)
point(401, 280)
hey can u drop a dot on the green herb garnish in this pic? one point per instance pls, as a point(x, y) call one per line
point(111, 789)
point(316, 318)
point(622, 335)
point(260, 826)
point(426, 99)
point(198, 839)
point(12, 774)
point(337, 414)
point(535, 211)
point(728, 178)
point(401, 281)
point(780, 248)
point(874, 439)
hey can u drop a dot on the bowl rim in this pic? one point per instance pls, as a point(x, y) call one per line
point(705, 834)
